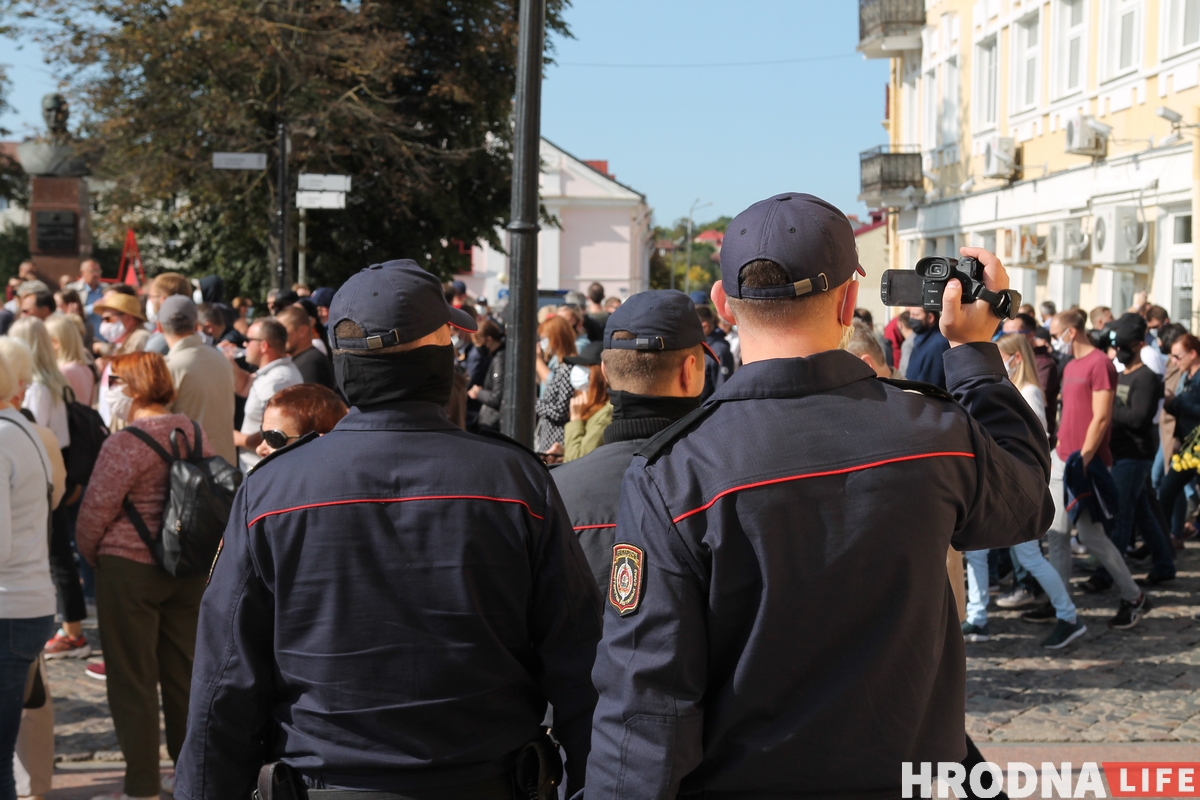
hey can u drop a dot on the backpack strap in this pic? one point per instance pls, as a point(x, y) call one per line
point(153, 445)
point(197, 451)
point(139, 525)
point(664, 438)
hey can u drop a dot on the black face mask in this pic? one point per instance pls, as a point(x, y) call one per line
point(917, 325)
point(426, 373)
point(1125, 356)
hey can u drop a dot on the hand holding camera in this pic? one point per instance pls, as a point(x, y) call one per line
point(970, 294)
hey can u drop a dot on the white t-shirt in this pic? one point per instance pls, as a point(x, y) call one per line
point(48, 413)
point(269, 380)
point(1037, 401)
point(26, 590)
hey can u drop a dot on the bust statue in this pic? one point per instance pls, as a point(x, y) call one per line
point(55, 111)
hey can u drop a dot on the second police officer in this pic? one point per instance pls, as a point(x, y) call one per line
point(397, 600)
point(653, 361)
point(779, 619)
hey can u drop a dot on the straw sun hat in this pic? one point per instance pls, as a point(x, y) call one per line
point(121, 304)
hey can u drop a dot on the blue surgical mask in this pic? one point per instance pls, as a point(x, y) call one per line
point(580, 378)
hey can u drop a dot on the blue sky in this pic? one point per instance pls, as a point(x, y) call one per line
point(729, 135)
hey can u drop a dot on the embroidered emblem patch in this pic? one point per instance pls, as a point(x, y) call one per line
point(625, 582)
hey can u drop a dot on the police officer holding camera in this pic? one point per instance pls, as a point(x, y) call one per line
point(383, 622)
point(779, 619)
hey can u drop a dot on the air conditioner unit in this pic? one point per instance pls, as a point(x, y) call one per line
point(1085, 136)
point(1028, 247)
point(1066, 241)
point(1115, 236)
point(999, 156)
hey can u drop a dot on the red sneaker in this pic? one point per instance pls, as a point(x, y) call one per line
point(95, 670)
point(63, 646)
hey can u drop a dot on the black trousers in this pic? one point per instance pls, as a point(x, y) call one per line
point(64, 571)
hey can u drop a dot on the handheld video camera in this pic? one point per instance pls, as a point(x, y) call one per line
point(924, 286)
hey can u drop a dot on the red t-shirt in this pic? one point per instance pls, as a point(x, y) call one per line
point(1092, 373)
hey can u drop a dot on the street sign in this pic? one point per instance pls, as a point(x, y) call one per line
point(239, 161)
point(320, 199)
point(314, 182)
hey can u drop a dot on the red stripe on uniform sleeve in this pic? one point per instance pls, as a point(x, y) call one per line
point(842, 471)
point(385, 500)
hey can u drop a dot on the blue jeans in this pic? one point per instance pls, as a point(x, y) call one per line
point(977, 587)
point(1029, 555)
point(1133, 506)
point(20, 642)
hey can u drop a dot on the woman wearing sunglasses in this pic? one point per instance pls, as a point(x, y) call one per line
point(298, 411)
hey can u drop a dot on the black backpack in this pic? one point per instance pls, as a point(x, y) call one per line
point(88, 432)
point(199, 498)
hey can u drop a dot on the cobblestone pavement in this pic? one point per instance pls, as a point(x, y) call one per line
point(1141, 685)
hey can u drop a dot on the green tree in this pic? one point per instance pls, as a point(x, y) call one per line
point(413, 100)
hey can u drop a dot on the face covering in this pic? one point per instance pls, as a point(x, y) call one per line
point(112, 331)
point(1012, 366)
point(1125, 356)
point(544, 343)
point(151, 311)
point(1061, 346)
point(918, 325)
point(426, 373)
point(580, 378)
point(118, 401)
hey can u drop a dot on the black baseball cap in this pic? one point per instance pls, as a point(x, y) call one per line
point(394, 302)
point(589, 356)
point(660, 319)
point(1128, 329)
point(809, 238)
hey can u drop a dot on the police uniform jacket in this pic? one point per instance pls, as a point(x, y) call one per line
point(783, 622)
point(719, 368)
point(381, 618)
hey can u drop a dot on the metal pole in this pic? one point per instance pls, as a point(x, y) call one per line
point(281, 211)
point(302, 271)
point(687, 267)
point(1195, 320)
point(516, 412)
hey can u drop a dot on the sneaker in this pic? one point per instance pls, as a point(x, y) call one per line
point(95, 670)
point(1063, 634)
point(1129, 614)
point(1077, 548)
point(1140, 554)
point(1094, 585)
point(1018, 597)
point(63, 646)
point(1151, 579)
point(1043, 614)
point(975, 633)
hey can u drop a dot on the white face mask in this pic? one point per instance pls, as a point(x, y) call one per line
point(580, 378)
point(112, 331)
point(544, 343)
point(1061, 346)
point(118, 401)
point(151, 310)
point(1012, 366)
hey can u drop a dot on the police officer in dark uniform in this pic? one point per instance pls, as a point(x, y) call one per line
point(780, 622)
point(396, 601)
point(653, 360)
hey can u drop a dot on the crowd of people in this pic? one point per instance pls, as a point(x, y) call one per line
point(1116, 396)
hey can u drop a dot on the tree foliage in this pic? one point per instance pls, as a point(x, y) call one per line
point(412, 99)
point(14, 185)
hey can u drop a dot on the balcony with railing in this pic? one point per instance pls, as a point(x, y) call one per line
point(891, 176)
point(888, 27)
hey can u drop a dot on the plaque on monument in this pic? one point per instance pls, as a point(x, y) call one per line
point(56, 231)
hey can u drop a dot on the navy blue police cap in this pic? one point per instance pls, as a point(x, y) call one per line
point(660, 319)
point(809, 238)
point(394, 303)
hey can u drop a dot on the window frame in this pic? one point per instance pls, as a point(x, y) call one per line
point(987, 83)
point(1172, 23)
point(1064, 33)
point(1114, 12)
point(1021, 52)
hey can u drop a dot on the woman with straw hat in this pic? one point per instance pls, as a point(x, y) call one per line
point(123, 326)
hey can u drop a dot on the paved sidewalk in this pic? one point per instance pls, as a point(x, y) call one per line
point(1140, 685)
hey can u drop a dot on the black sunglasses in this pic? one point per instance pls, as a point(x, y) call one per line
point(277, 439)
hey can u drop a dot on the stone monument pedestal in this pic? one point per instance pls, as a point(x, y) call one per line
point(60, 238)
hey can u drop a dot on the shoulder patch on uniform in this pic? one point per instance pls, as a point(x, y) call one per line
point(625, 581)
point(491, 434)
point(661, 440)
point(927, 389)
point(305, 439)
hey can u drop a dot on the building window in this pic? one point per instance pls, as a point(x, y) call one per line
point(1122, 34)
point(1026, 55)
point(910, 108)
point(1183, 25)
point(929, 117)
point(1072, 47)
point(1183, 229)
point(1182, 286)
point(949, 127)
point(985, 83)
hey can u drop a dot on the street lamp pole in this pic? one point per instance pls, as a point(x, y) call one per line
point(281, 210)
point(687, 270)
point(516, 412)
